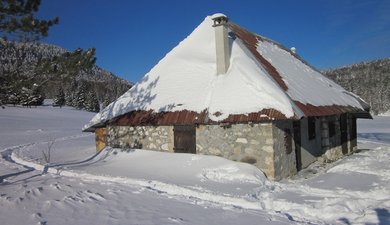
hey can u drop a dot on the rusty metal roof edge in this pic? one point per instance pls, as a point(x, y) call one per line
point(328, 110)
point(191, 117)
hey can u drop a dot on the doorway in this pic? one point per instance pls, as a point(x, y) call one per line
point(184, 139)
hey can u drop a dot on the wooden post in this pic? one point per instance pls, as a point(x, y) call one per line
point(101, 138)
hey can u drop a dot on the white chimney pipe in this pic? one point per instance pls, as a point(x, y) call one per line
point(221, 42)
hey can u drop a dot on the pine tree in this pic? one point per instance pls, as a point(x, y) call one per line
point(69, 98)
point(65, 67)
point(79, 98)
point(59, 100)
point(36, 96)
point(106, 101)
point(13, 98)
point(92, 104)
point(18, 21)
point(30, 96)
point(25, 96)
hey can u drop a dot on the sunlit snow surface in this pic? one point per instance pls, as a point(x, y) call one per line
point(145, 187)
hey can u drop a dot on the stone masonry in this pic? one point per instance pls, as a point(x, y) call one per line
point(158, 138)
point(331, 145)
point(284, 150)
point(335, 151)
point(269, 146)
point(250, 143)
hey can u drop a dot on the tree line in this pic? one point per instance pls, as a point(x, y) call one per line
point(31, 71)
point(369, 80)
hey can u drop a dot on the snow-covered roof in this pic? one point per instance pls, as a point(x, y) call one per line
point(264, 81)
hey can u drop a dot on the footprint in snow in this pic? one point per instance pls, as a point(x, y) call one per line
point(37, 215)
point(176, 219)
point(5, 197)
point(34, 191)
point(95, 196)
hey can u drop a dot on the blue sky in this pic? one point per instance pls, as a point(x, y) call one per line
point(130, 37)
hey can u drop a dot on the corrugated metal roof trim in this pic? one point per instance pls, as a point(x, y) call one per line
point(311, 110)
point(251, 40)
point(136, 118)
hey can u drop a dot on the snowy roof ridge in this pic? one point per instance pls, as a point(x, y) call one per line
point(263, 75)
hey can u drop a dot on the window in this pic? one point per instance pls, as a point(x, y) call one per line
point(311, 128)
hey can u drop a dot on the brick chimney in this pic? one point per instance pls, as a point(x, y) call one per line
point(221, 42)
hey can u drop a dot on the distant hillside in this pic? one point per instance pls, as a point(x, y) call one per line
point(21, 59)
point(369, 80)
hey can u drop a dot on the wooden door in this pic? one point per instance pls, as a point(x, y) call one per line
point(184, 139)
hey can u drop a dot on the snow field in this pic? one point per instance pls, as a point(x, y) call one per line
point(336, 194)
point(146, 187)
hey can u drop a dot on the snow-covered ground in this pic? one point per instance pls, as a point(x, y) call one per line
point(144, 187)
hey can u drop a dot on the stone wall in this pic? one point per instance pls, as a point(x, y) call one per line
point(262, 145)
point(331, 145)
point(268, 146)
point(284, 150)
point(159, 138)
point(251, 143)
point(310, 148)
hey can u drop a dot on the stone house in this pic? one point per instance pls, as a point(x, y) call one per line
point(229, 92)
